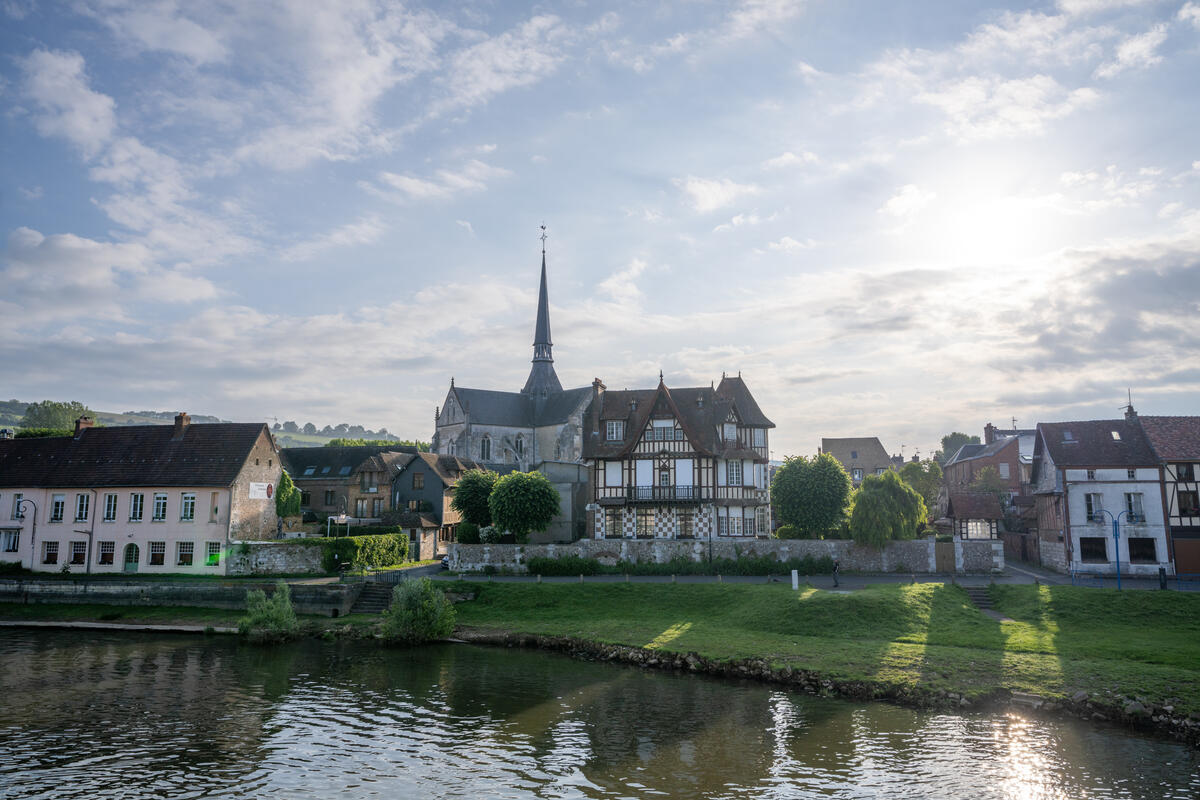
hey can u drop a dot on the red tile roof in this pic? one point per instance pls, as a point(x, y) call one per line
point(1173, 438)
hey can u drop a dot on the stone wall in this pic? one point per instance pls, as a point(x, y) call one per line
point(917, 556)
point(255, 519)
point(273, 558)
point(1053, 555)
point(322, 599)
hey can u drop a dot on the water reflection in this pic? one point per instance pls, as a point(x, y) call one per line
point(132, 716)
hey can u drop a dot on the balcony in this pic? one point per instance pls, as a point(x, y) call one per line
point(666, 494)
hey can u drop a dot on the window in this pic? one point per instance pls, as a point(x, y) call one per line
point(613, 523)
point(344, 471)
point(615, 430)
point(856, 474)
point(760, 515)
point(645, 523)
point(1142, 551)
point(414, 505)
point(376, 506)
point(1092, 549)
point(1116, 436)
point(183, 553)
point(360, 507)
point(519, 446)
point(1094, 507)
point(853, 455)
point(325, 470)
point(1003, 471)
point(1131, 474)
point(760, 437)
point(684, 524)
point(110, 508)
point(418, 481)
point(880, 470)
point(58, 506)
point(1189, 503)
point(1183, 472)
point(734, 471)
point(305, 497)
point(1091, 473)
point(730, 433)
point(213, 555)
point(1133, 504)
point(722, 526)
point(83, 506)
point(735, 526)
point(187, 507)
point(664, 477)
point(10, 541)
point(107, 549)
point(310, 470)
point(160, 507)
point(49, 552)
point(330, 498)
point(16, 508)
point(78, 552)
point(158, 553)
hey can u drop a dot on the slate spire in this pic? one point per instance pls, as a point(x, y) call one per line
point(542, 378)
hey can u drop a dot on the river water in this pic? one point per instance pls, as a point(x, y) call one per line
point(95, 715)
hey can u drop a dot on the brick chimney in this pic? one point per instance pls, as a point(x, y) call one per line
point(597, 401)
point(1130, 414)
point(182, 420)
point(81, 424)
point(989, 433)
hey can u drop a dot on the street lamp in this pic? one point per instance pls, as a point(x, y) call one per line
point(1116, 523)
point(33, 533)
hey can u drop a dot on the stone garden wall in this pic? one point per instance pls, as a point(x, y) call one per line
point(273, 558)
point(917, 556)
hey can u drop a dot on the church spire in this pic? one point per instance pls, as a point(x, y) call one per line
point(542, 379)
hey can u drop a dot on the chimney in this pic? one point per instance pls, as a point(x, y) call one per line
point(83, 423)
point(597, 401)
point(1130, 414)
point(989, 433)
point(182, 420)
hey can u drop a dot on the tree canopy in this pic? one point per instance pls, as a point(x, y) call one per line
point(951, 442)
point(811, 494)
point(988, 480)
point(287, 497)
point(52, 414)
point(885, 508)
point(471, 496)
point(926, 478)
point(523, 502)
point(348, 442)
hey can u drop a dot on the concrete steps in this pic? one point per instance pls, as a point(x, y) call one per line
point(980, 596)
point(374, 599)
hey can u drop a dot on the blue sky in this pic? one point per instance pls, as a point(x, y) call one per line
point(895, 219)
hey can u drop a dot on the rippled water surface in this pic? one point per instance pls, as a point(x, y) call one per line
point(95, 715)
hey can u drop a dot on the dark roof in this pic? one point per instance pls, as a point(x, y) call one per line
point(447, 468)
point(332, 462)
point(132, 455)
point(1173, 438)
point(1091, 443)
point(974, 505)
point(517, 410)
point(700, 411)
point(970, 452)
point(871, 455)
point(542, 378)
point(414, 519)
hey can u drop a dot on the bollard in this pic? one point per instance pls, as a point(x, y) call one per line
point(672, 579)
point(581, 579)
point(460, 576)
point(539, 578)
point(627, 577)
point(720, 579)
point(1162, 577)
point(795, 580)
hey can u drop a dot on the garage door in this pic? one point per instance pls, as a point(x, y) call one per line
point(1187, 555)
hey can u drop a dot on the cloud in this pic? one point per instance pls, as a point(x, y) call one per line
point(621, 286)
point(66, 105)
point(1136, 52)
point(790, 159)
point(907, 203)
point(741, 220)
point(991, 107)
point(445, 183)
point(706, 194)
point(31, 192)
point(789, 245)
point(1190, 13)
point(364, 231)
point(519, 57)
point(1081, 7)
point(158, 26)
point(465, 226)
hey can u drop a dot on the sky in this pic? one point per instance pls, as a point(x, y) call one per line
point(893, 219)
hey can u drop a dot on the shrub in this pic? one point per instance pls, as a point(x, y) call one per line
point(368, 551)
point(789, 532)
point(12, 568)
point(811, 494)
point(467, 533)
point(269, 619)
point(287, 497)
point(745, 565)
point(489, 535)
point(419, 612)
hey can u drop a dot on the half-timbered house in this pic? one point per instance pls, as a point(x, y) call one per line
point(678, 463)
point(1176, 444)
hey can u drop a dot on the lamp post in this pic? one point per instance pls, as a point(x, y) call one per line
point(1116, 525)
point(33, 532)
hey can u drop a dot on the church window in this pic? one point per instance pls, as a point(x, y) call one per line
point(519, 446)
point(485, 448)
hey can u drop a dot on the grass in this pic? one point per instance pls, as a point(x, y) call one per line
point(168, 615)
point(928, 636)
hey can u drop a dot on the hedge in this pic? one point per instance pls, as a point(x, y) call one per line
point(384, 550)
point(745, 565)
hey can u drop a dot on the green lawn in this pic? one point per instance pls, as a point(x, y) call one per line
point(1060, 639)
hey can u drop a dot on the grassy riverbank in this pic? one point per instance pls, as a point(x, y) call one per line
point(353, 624)
point(928, 637)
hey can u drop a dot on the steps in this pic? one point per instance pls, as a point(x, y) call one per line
point(373, 599)
point(980, 596)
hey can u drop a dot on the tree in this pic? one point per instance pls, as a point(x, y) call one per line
point(291, 427)
point(951, 442)
point(811, 494)
point(471, 496)
point(51, 414)
point(419, 612)
point(287, 497)
point(885, 508)
point(523, 502)
point(988, 480)
point(925, 477)
point(309, 428)
point(327, 430)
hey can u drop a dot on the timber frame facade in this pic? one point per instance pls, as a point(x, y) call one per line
point(688, 463)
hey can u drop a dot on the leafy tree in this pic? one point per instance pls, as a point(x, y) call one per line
point(309, 428)
point(926, 478)
point(419, 612)
point(471, 496)
point(342, 428)
point(988, 480)
point(811, 494)
point(467, 533)
point(43, 433)
point(51, 414)
point(291, 427)
point(327, 430)
point(348, 442)
point(885, 508)
point(951, 442)
point(287, 497)
point(277, 428)
point(523, 502)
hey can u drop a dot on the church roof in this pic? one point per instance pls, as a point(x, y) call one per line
point(520, 410)
point(542, 379)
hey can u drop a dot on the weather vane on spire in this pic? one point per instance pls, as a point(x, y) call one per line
point(543, 238)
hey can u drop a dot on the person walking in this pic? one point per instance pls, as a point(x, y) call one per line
point(836, 566)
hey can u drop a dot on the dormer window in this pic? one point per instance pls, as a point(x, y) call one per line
point(615, 430)
point(1068, 437)
point(1116, 436)
point(309, 470)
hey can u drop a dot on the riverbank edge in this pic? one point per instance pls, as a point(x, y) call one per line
point(1081, 706)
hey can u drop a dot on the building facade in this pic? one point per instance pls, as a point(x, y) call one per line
point(860, 456)
point(685, 463)
point(352, 482)
point(147, 498)
point(1176, 445)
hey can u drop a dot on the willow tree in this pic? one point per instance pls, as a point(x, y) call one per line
point(885, 508)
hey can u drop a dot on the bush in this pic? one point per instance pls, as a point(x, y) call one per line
point(885, 508)
point(269, 619)
point(419, 612)
point(489, 535)
point(43, 433)
point(789, 532)
point(287, 497)
point(384, 550)
point(745, 565)
point(13, 568)
point(467, 533)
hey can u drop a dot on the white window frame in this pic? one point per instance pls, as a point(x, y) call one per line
point(760, 437)
point(613, 474)
point(187, 507)
point(137, 506)
point(1135, 505)
point(78, 553)
point(110, 507)
point(185, 549)
point(729, 431)
point(49, 552)
point(614, 430)
point(106, 549)
point(212, 554)
point(733, 473)
point(159, 513)
point(1093, 508)
point(58, 507)
point(1002, 468)
point(16, 505)
point(11, 541)
point(157, 549)
point(83, 506)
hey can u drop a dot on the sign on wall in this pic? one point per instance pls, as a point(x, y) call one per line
point(261, 491)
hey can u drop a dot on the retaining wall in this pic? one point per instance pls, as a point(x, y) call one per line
point(321, 599)
point(273, 558)
point(917, 556)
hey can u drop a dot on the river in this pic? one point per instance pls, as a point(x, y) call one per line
point(91, 715)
